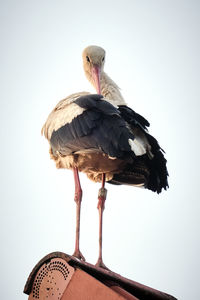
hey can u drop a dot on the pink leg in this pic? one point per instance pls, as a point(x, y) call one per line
point(101, 206)
point(77, 198)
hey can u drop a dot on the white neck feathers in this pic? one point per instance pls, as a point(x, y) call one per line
point(110, 90)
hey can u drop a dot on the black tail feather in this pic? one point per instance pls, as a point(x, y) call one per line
point(157, 173)
point(151, 173)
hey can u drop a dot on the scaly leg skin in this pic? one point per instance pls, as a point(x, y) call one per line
point(101, 206)
point(77, 198)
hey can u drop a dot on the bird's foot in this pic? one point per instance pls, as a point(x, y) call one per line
point(100, 264)
point(79, 255)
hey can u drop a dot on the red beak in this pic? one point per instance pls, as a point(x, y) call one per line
point(96, 77)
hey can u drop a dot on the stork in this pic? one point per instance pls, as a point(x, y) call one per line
point(98, 134)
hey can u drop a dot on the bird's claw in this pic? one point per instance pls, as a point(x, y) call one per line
point(79, 255)
point(100, 264)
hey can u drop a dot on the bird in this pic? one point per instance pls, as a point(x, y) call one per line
point(100, 135)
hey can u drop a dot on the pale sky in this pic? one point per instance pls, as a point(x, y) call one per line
point(153, 55)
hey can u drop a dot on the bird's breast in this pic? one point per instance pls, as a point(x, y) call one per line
point(91, 163)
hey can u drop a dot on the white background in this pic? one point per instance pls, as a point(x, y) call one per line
point(153, 55)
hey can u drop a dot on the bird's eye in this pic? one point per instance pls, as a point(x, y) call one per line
point(87, 58)
point(103, 58)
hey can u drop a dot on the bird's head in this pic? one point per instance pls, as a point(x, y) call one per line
point(93, 64)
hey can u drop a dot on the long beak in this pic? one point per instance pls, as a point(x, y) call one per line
point(96, 77)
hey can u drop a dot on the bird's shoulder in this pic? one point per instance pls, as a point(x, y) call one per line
point(69, 100)
point(62, 112)
point(97, 102)
point(73, 107)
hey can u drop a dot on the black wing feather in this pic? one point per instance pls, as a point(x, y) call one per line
point(100, 126)
point(103, 126)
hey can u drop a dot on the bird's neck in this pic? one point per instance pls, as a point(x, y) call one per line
point(110, 90)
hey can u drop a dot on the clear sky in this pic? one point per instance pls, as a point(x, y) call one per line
point(153, 55)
